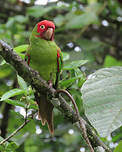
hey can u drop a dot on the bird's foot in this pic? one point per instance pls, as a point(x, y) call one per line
point(50, 84)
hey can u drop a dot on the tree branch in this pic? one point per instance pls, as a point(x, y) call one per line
point(33, 78)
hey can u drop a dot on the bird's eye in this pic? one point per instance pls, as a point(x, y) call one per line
point(42, 26)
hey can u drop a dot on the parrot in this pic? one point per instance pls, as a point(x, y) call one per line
point(44, 56)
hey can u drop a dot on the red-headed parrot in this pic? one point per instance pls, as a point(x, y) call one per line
point(45, 56)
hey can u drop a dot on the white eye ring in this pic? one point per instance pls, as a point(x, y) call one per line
point(42, 26)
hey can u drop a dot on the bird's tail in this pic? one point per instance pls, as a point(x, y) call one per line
point(45, 112)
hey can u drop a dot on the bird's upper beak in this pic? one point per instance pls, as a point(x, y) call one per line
point(48, 34)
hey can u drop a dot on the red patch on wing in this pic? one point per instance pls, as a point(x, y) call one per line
point(58, 56)
point(37, 35)
point(28, 60)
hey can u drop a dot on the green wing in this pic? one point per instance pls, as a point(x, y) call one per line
point(59, 67)
point(27, 56)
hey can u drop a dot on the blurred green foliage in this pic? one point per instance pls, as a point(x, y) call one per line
point(89, 33)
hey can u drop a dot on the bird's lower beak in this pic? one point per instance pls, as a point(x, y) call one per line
point(48, 34)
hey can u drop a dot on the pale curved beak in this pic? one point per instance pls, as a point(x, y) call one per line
point(48, 34)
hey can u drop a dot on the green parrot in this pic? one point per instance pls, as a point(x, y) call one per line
point(45, 56)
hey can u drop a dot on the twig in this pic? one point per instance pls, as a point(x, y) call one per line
point(17, 130)
point(81, 122)
point(33, 78)
point(26, 121)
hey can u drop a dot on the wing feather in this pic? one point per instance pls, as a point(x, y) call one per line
point(59, 67)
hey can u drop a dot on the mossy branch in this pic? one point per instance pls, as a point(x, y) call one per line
point(33, 78)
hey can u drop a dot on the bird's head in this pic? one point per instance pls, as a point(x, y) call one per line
point(45, 30)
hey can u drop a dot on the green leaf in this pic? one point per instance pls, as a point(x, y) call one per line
point(2, 148)
point(21, 48)
point(59, 20)
point(111, 61)
point(10, 22)
point(94, 7)
point(12, 93)
point(5, 70)
point(3, 62)
point(67, 83)
point(119, 147)
point(11, 25)
point(80, 21)
point(66, 56)
point(1, 138)
point(21, 19)
point(22, 83)
point(91, 1)
point(74, 64)
point(118, 135)
point(38, 11)
point(102, 99)
point(32, 105)
point(15, 103)
point(87, 44)
point(11, 147)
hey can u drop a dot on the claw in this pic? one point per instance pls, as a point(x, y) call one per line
point(50, 84)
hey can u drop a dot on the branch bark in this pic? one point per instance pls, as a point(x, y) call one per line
point(32, 77)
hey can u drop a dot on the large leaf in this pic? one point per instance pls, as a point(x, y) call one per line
point(59, 20)
point(8, 146)
point(38, 11)
point(87, 44)
point(15, 103)
point(94, 6)
point(68, 82)
point(12, 93)
point(22, 83)
point(12, 146)
point(2, 146)
point(102, 98)
point(21, 48)
point(119, 147)
point(66, 56)
point(5, 70)
point(80, 21)
point(21, 18)
point(111, 61)
point(32, 104)
point(74, 64)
